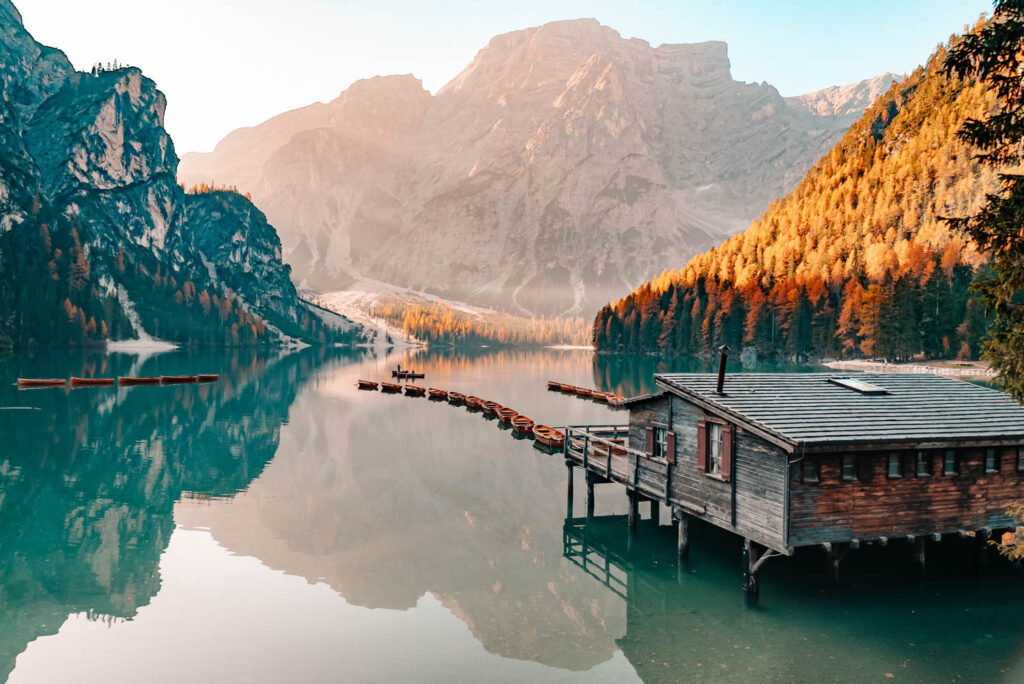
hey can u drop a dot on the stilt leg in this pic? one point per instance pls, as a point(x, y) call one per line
point(634, 509)
point(568, 492)
point(655, 512)
point(751, 580)
point(683, 540)
point(919, 546)
point(590, 495)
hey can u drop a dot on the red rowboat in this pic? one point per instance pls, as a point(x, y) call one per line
point(415, 390)
point(437, 393)
point(128, 381)
point(456, 398)
point(178, 379)
point(549, 436)
point(41, 382)
point(390, 388)
point(505, 415)
point(523, 425)
point(366, 384)
point(92, 382)
point(408, 375)
point(583, 392)
point(554, 385)
point(208, 377)
point(491, 407)
point(475, 403)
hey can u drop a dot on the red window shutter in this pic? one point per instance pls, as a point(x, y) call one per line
point(702, 446)
point(727, 431)
point(649, 448)
point(670, 447)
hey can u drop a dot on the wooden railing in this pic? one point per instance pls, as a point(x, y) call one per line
point(605, 450)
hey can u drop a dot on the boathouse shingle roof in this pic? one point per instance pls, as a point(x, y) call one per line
point(812, 409)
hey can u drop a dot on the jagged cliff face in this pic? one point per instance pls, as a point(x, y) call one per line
point(86, 154)
point(562, 166)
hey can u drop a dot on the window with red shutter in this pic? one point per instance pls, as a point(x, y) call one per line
point(649, 443)
point(727, 434)
point(702, 446)
point(670, 451)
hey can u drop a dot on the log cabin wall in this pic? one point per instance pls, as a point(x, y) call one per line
point(875, 505)
point(751, 502)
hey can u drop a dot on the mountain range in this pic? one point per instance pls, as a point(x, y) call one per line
point(97, 239)
point(563, 166)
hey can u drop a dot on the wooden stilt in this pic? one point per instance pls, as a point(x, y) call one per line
point(683, 540)
point(919, 546)
point(590, 495)
point(751, 578)
point(568, 491)
point(634, 508)
point(655, 512)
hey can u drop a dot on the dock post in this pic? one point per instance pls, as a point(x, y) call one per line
point(655, 512)
point(634, 508)
point(832, 563)
point(568, 490)
point(590, 495)
point(919, 546)
point(683, 539)
point(751, 579)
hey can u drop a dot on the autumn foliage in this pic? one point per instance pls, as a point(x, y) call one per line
point(857, 260)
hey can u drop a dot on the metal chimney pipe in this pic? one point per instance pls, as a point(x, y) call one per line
point(724, 351)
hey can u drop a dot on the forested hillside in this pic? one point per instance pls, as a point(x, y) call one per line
point(855, 261)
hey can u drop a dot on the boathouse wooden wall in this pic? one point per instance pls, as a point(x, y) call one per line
point(752, 503)
point(872, 505)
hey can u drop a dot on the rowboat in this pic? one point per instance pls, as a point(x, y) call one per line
point(456, 398)
point(554, 385)
point(178, 379)
point(583, 392)
point(616, 399)
point(41, 382)
point(505, 415)
point(491, 407)
point(208, 377)
point(390, 388)
point(128, 381)
point(92, 382)
point(549, 436)
point(523, 425)
point(366, 384)
point(474, 403)
point(566, 387)
point(601, 397)
point(408, 375)
point(415, 390)
point(437, 393)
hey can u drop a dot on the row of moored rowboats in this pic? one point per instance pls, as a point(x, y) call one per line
point(523, 425)
point(124, 381)
point(586, 393)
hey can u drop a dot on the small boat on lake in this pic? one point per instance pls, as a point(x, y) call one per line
point(92, 382)
point(208, 377)
point(491, 408)
point(456, 398)
point(474, 403)
point(566, 387)
point(415, 390)
point(131, 381)
point(615, 399)
point(549, 437)
point(366, 384)
point(505, 415)
point(600, 397)
point(554, 385)
point(41, 382)
point(390, 388)
point(438, 394)
point(407, 375)
point(583, 392)
point(523, 425)
point(178, 379)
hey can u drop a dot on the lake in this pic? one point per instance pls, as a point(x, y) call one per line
point(281, 525)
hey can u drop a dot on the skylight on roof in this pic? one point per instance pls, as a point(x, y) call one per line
point(858, 386)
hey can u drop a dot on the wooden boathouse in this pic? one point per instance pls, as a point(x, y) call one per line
point(814, 459)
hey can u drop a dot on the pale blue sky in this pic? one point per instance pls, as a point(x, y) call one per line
point(230, 63)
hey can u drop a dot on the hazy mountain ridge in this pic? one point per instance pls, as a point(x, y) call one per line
point(563, 166)
point(98, 239)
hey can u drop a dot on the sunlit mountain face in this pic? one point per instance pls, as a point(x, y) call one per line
point(563, 166)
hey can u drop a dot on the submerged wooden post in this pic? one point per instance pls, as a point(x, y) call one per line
point(634, 508)
point(683, 539)
point(568, 491)
point(919, 545)
point(590, 494)
point(751, 579)
point(655, 513)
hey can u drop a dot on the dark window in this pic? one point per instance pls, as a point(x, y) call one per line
point(849, 467)
point(950, 462)
point(991, 461)
point(660, 442)
point(923, 464)
point(810, 469)
point(895, 466)
point(715, 442)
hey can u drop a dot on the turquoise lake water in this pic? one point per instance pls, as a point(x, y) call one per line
point(283, 526)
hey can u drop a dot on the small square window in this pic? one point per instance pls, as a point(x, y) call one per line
point(849, 470)
point(923, 464)
point(895, 466)
point(991, 461)
point(660, 442)
point(810, 469)
point(950, 462)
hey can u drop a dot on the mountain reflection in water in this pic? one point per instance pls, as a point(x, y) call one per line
point(413, 516)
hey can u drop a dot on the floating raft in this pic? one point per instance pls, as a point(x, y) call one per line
point(129, 381)
point(92, 382)
point(366, 384)
point(41, 382)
